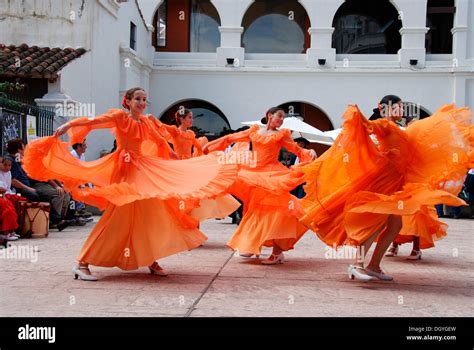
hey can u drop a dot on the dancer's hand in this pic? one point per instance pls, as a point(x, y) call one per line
point(62, 130)
point(313, 154)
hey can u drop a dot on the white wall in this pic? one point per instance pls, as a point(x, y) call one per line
point(24, 22)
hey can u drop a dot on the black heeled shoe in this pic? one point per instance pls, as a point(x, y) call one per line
point(63, 224)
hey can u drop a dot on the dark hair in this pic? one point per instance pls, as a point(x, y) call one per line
point(272, 110)
point(13, 146)
point(386, 100)
point(76, 145)
point(243, 128)
point(181, 113)
point(302, 139)
point(129, 95)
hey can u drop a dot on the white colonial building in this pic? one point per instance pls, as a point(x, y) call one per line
point(230, 60)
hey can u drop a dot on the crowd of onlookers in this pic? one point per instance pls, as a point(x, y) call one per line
point(16, 186)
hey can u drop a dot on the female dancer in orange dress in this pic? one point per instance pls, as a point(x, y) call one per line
point(181, 136)
point(271, 213)
point(357, 191)
point(139, 225)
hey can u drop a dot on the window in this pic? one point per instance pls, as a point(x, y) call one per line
point(205, 22)
point(366, 27)
point(440, 21)
point(133, 36)
point(277, 26)
point(161, 26)
point(186, 26)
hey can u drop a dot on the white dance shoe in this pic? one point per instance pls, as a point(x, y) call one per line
point(393, 251)
point(415, 255)
point(380, 275)
point(359, 273)
point(83, 273)
point(274, 259)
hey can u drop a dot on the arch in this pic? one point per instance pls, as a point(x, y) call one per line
point(279, 26)
point(367, 27)
point(155, 8)
point(311, 114)
point(186, 26)
point(209, 120)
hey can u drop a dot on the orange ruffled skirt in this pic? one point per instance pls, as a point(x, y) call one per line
point(271, 214)
point(348, 202)
point(145, 199)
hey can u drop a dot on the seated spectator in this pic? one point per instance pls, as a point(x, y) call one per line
point(20, 181)
point(8, 215)
point(6, 182)
point(28, 188)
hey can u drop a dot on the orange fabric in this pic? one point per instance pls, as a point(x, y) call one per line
point(354, 187)
point(182, 141)
point(271, 213)
point(183, 144)
point(145, 197)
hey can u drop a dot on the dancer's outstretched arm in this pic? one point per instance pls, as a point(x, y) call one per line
point(222, 143)
point(167, 131)
point(305, 155)
point(103, 121)
point(155, 136)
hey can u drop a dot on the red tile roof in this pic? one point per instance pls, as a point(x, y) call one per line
point(34, 61)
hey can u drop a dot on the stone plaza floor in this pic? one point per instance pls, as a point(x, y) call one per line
point(212, 281)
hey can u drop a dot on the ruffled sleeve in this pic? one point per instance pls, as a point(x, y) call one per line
point(80, 127)
point(164, 149)
point(287, 141)
point(223, 142)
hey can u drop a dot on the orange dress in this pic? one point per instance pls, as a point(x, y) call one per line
point(263, 184)
point(182, 141)
point(186, 145)
point(144, 196)
point(353, 188)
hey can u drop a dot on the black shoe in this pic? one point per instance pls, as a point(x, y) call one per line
point(83, 214)
point(78, 222)
point(63, 224)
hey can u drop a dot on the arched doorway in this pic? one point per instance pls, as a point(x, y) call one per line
point(277, 26)
point(209, 120)
point(312, 115)
point(367, 27)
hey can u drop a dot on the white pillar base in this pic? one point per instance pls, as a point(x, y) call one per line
point(237, 53)
point(313, 55)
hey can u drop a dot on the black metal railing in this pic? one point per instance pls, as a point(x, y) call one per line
point(14, 120)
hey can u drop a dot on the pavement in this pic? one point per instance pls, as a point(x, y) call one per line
point(36, 281)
